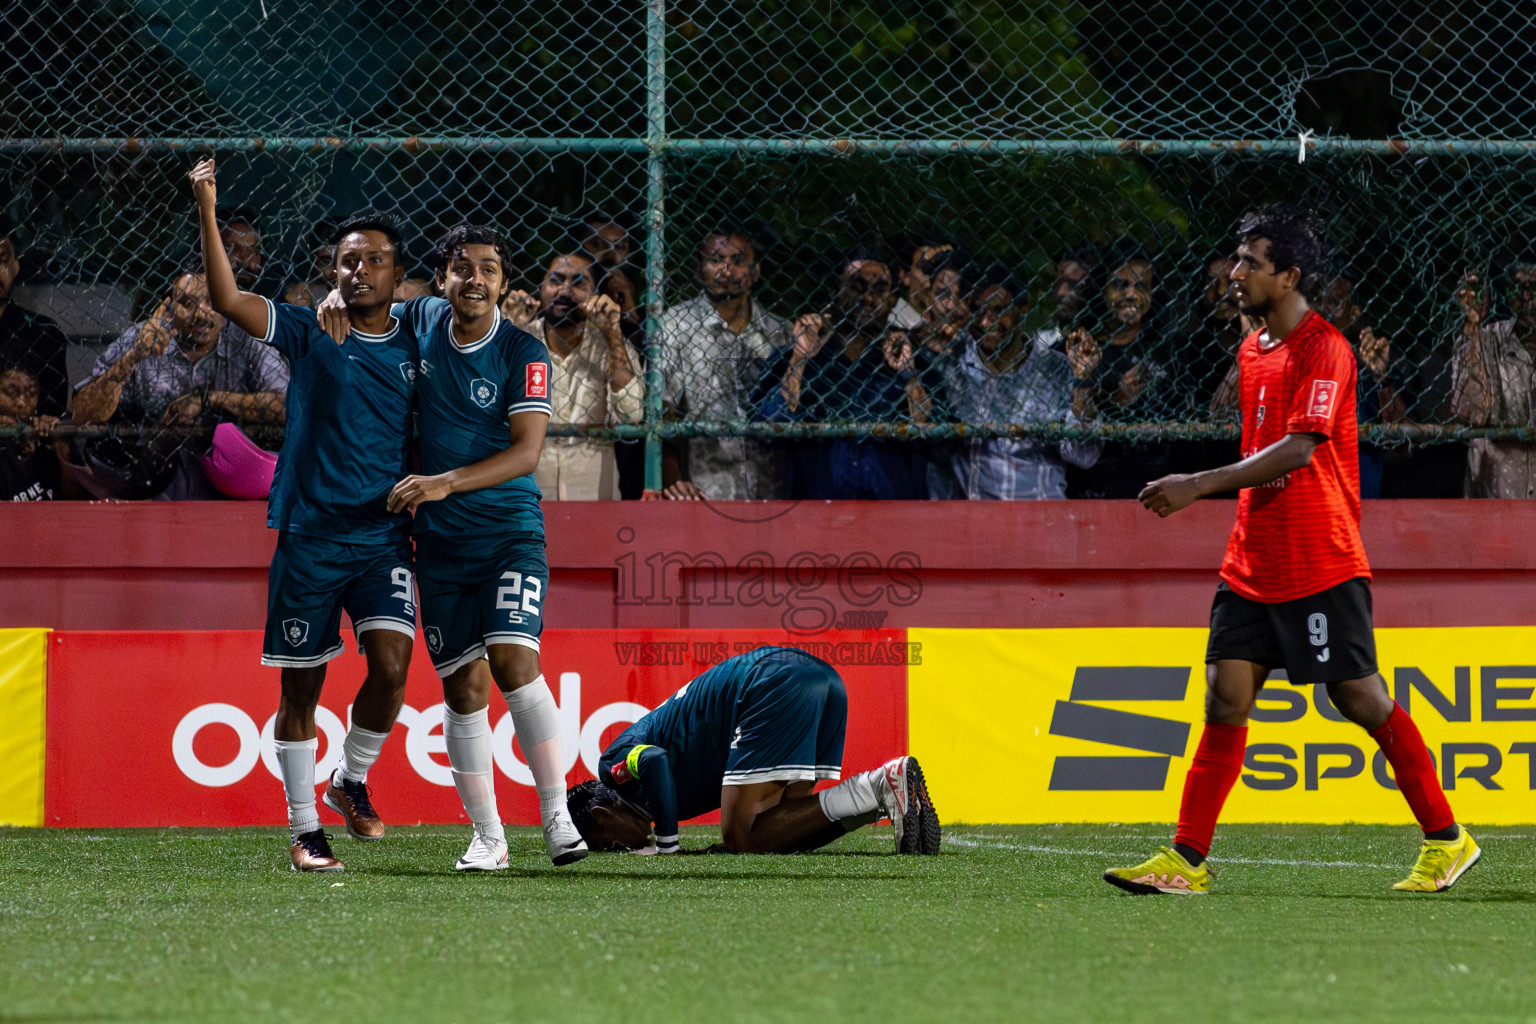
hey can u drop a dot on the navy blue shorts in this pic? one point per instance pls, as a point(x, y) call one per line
point(791, 726)
point(479, 591)
point(313, 579)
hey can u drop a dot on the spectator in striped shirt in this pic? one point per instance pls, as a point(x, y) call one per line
point(1002, 377)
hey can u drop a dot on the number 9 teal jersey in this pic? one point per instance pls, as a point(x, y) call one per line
point(465, 399)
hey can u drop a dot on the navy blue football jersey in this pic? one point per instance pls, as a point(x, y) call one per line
point(348, 431)
point(467, 395)
point(731, 725)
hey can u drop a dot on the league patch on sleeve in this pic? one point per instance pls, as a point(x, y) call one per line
point(538, 380)
point(1320, 406)
point(619, 773)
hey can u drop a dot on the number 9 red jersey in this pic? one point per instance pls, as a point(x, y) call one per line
point(1300, 534)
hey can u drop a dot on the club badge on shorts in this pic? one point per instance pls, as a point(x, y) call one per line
point(295, 631)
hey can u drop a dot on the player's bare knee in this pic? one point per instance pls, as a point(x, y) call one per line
point(301, 688)
point(464, 691)
point(513, 665)
point(1365, 702)
point(389, 657)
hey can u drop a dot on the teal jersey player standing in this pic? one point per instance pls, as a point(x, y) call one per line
point(494, 535)
point(750, 736)
point(340, 545)
point(483, 394)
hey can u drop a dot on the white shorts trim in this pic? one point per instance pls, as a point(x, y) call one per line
point(519, 639)
point(381, 622)
point(475, 653)
point(787, 773)
point(278, 661)
point(384, 622)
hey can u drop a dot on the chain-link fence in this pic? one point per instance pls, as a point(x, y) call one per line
point(961, 192)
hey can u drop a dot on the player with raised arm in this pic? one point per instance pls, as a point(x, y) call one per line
point(340, 545)
point(1295, 591)
point(749, 737)
point(483, 390)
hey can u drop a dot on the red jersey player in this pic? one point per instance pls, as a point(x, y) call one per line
point(1295, 590)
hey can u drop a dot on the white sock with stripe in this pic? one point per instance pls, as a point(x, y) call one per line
point(358, 752)
point(296, 761)
point(468, 739)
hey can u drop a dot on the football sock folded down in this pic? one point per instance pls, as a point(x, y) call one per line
point(358, 752)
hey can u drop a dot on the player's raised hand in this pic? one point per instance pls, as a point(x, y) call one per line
point(520, 308)
point(413, 490)
point(1166, 495)
point(204, 187)
point(334, 318)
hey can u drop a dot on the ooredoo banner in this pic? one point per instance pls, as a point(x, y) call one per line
point(176, 728)
point(1098, 725)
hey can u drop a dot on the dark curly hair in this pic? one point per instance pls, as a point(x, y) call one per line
point(1297, 238)
point(580, 799)
point(464, 234)
point(371, 220)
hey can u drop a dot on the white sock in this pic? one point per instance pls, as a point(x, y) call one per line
point(296, 758)
point(536, 720)
point(358, 752)
point(468, 738)
point(850, 799)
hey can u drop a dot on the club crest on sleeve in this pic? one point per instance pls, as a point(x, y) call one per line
point(538, 380)
point(483, 392)
point(434, 640)
point(295, 631)
point(408, 372)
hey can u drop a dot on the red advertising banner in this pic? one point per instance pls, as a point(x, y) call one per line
point(175, 728)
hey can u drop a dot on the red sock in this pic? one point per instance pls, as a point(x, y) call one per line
point(1212, 774)
point(1399, 739)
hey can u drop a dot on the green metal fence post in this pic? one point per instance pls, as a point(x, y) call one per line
point(655, 219)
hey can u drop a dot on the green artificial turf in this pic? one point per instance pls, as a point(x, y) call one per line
point(1008, 924)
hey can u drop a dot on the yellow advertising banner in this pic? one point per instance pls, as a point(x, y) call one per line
point(1098, 725)
point(23, 678)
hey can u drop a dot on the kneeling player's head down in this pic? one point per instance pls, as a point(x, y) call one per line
point(605, 819)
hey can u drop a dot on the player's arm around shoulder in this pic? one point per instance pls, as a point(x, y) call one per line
point(527, 386)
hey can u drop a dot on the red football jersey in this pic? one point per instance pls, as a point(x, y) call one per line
point(1300, 534)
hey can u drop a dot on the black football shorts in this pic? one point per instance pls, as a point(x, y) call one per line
point(1327, 637)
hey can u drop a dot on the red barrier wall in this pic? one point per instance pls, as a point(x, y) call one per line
point(768, 565)
point(189, 747)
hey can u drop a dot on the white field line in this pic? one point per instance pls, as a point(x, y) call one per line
point(1272, 862)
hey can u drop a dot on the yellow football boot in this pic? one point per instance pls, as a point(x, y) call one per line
point(1441, 862)
point(1165, 872)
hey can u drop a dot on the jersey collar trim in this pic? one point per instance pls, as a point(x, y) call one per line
point(475, 346)
point(376, 338)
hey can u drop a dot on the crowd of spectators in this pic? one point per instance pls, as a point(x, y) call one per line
point(932, 337)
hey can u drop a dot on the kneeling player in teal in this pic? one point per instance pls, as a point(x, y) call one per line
point(483, 391)
point(749, 737)
point(339, 547)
